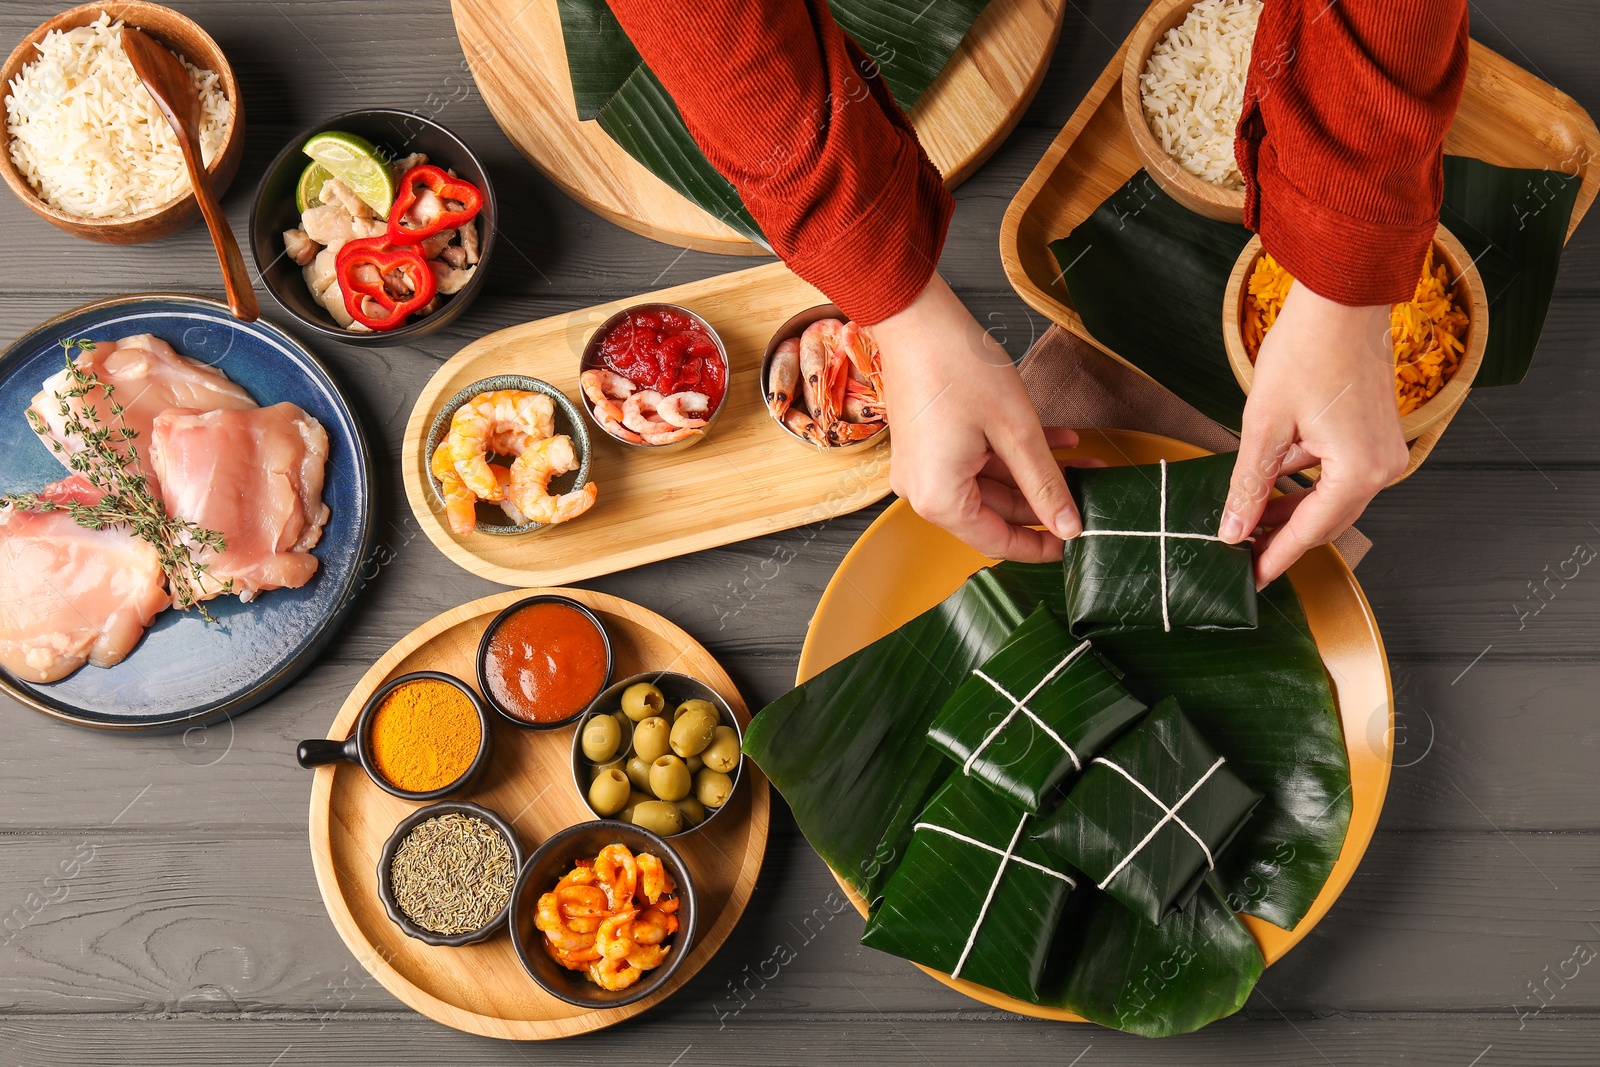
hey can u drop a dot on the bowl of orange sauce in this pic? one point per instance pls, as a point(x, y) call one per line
point(543, 660)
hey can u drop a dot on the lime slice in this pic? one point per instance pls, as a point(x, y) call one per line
point(306, 194)
point(356, 162)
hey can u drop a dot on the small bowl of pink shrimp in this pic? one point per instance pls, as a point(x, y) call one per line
point(509, 455)
point(822, 381)
point(654, 376)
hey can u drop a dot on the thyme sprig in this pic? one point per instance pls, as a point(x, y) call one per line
point(108, 461)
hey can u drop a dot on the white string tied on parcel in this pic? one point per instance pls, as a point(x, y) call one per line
point(1162, 536)
point(1022, 706)
point(1170, 815)
point(1007, 855)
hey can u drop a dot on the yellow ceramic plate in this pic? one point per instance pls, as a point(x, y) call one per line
point(902, 566)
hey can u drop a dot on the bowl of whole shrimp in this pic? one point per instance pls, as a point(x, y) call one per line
point(509, 455)
point(655, 377)
point(822, 380)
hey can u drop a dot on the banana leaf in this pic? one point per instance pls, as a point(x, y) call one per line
point(910, 41)
point(1036, 712)
point(1142, 250)
point(1149, 558)
point(974, 897)
point(1147, 817)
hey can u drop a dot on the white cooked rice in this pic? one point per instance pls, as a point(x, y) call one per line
point(1193, 87)
point(87, 134)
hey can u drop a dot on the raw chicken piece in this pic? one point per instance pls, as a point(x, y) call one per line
point(72, 595)
point(335, 191)
point(256, 478)
point(330, 225)
point(324, 285)
point(469, 240)
point(450, 279)
point(300, 248)
point(148, 378)
point(405, 163)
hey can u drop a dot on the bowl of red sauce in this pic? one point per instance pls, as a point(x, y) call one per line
point(543, 660)
point(654, 376)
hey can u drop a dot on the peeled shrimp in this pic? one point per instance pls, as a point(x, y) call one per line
point(486, 417)
point(613, 974)
point(641, 413)
point(606, 390)
point(783, 377)
point(460, 505)
point(653, 877)
point(683, 409)
point(529, 487)
point(615, 936)
point(618, 874)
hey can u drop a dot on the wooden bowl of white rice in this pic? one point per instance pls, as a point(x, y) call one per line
point(1183, 84)
point(84, 144)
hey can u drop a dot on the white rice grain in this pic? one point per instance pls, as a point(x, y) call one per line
point(1193, 87)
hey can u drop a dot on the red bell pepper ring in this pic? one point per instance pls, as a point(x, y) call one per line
point(383, 257)
point(445, 188)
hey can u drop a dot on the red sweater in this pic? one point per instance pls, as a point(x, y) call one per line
point(1348, 104)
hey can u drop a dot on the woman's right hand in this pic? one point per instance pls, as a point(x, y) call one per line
point(969, 453)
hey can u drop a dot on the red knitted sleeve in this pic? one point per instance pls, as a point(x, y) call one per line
point(1341, 139)
point(790, 110)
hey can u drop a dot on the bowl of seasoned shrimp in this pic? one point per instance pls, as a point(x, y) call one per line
point(509, 455)
point(822, 382)
point(603, 914)
point(654, 376)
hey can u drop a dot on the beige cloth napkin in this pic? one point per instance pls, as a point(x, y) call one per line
point(1072, 383)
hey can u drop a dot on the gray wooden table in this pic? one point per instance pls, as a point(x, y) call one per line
point(193, 931)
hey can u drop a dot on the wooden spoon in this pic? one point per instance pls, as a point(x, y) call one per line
point(174, 92)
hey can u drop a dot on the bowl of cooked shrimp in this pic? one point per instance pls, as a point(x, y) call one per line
point(509, 455)
point(655, 377)
point(822, 381)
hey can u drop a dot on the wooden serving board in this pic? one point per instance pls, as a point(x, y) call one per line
point(1507, 117)
point(516, 53)
point(483, 988)
point(748, 477)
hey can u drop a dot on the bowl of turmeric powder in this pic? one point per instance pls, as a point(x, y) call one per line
point(422, 736)
point(1439, 335)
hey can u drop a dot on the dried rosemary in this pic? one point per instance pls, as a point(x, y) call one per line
point(110, 464)
point(452, 874)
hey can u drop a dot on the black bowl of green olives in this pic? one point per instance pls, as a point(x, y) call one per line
point(658, 750)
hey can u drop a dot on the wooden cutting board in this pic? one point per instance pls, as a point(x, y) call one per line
point(515, 51)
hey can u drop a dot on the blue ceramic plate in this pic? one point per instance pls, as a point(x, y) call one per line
point(187, 671)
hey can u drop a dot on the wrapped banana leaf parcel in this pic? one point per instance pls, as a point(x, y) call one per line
point(849, 750)
point(1035, 712)
point(1149, 557)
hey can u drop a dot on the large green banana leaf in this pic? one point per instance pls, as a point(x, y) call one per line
point(1148, 276)
point(911, 41)
point(848, 752)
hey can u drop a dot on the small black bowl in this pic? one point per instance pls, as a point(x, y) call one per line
point(357, 748)
point(386, 880)
point(483, 654)
point(401, 132)
point(676, 688)
point(490, 518)
point(554, 859)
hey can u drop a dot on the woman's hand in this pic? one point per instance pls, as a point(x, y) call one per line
point(1323, 391)
point(969, 453)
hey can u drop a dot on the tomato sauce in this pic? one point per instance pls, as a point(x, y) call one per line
point(665, 351)
point(545, 662)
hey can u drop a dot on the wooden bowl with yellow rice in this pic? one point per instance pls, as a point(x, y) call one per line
point(1437, 351)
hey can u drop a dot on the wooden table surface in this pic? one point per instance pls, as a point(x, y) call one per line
point(193, 931)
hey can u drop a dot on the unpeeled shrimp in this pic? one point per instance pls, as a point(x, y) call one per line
point(783, 377)
point(807, 427)
point(818, 344)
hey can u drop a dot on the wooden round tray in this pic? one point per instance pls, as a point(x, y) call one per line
point(517, 57)
point(482, 988)
point(904, 565)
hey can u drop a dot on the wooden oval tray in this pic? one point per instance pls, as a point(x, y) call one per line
point(904, 565)
point(516, 53)
point(748, 477)
point(482, 988)
point(1507, 117)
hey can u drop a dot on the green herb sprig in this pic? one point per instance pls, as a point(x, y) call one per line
point(109, 463)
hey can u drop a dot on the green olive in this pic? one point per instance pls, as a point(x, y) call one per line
point(642, 700)
point(694, 812)
point(722, 754)
point(639, 774)
point(635, 798)
point(669, 778)
point(651, 739)
point(602, 738)
point(693, 731)
point(659, 817)
point(608, 794)
point(616, 763)
point(711, 788)
point(625, 724)
point(694, 763)
point(692, 705)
